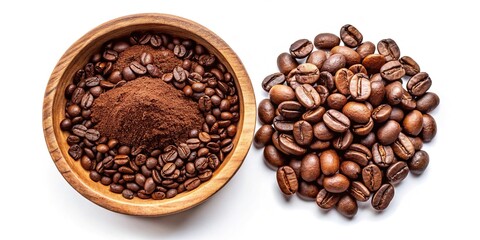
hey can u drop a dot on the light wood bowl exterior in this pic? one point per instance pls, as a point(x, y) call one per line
point(78, 55)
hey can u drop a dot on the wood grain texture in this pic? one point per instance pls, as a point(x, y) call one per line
point(77, 56)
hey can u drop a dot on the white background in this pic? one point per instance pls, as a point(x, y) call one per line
point(36, 202)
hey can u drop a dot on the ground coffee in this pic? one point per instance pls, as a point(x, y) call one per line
point(147, 111)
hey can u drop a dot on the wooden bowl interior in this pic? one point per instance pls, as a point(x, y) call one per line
point(79, 54)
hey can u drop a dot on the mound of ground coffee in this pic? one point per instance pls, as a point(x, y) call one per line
point(147, 111)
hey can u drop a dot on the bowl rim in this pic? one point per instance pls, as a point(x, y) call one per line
point(151, 207)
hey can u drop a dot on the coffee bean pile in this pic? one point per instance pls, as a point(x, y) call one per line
point(344, 127)
point(138, 170)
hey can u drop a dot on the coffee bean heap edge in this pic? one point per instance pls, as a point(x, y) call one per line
point(344, 127)
point(135, 171)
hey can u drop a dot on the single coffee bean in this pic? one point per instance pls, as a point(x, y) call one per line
point(272, 80)
point(192, 183)
point(342, 80)
point(266, 111)
point(307, 96)
point(273, 157)
point(419, 84)
point(74, 110)
point(389, 49)
point(359, 191)
point(347, 206)
point(351, 56)
point(317, 58)
point(308, 191)
point(93, 81)
point(281, 93)
point(382, 198)
point(128, 74)
point(306, 73)
point(75, 151)
point(402, 147)
point(327, 200)
point(428, 102)
point(171, 193)
point(392, 70)
point(334, 63)
point(351, 36)
point(368, 140)
point(359, 154)
point(336, 101)
point(413, 123)
point(290, 109)
point(286, 63)
point(358, 68)
point(116, 188)
point(429, 129)
point(92, 135)
point(326, 41)
point(363, 129)
point(357, 112)
point(397, 114)
point(326, 79)
point(372, 177)
point(310, 168)
point(365, 49)
point(79, 130)
point(381, 113)
point(350, 169)
point(329, 162)
point(397, 172)
point(264, 135)
point(314, 116)
point(138, 68)
point(287, 180)
point(373, 63)
point(282, 124)
point(322, 92)
point(288, 145)
point(382, 155)
point(343, 141)
point(146, 58)
point(417, 142)
point(377, 92)
point(388, 132)
point(302, 132)
point(411, 67)
point(301, 48)
point(336, 121)
point(336, 183)
point(419, 162)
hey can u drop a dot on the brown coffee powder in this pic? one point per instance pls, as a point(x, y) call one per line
point(146, 111)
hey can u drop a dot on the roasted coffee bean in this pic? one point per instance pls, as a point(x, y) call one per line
point(419, 162)
point(310, 168)
point(411, 67)
point(307, 96)
point(282, 124)
point(273, 157)
point(397, 114)
point(429, 129)
point(92, 135)
point(205, 104)
point(281, 93)
point(372, 177)
point(382, 155)
point(381, 113)
point(272, 80)
point(317, 58)
point(358, 153)
point(397, 172)
point(301, 48)
point(347, 206)
point(336, 101)
point(327, 200)
point(290, 109)
point(138, 68)
point(329, 162)
point(389, 49)
point(388, 132)
point(413, 123)
point(288, 145)
point(365, 49)
point(322, 132)
point(359, 191)
point(320, 145)
point(154, 71)
point(428, 102)
point(74, 110)
point(75, 151)
point(377, 92)
point(382, 198)
point(326, 41)
point(306, 73)
point(286, 63)
point(192, 183)
point(326, 79)
point(287, 180)
point(79, 130)
point(419, 84)
point(116, 188)
point(336, 121)
point(358, 68)
point(266, 111)
point(77, 95)
point(351, 56)
point(110, 55)
point(183, 151)
point(368, 140)
point(392, 70)
point(351, 36)
point(417, 142)
point(342, 80)
point(146, 58)
point(402, 147)
point(128, 74)
point(336, 183)
point(334, 63)
point(314, 116)
point(373, 63)
point(66, 124)
point(357, 112)
point(343, 141)
point(302, 132)
point(171, 193)
point(362, 129)
point(264, 135)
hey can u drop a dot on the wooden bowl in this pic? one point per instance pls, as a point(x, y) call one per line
point(79, 54)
